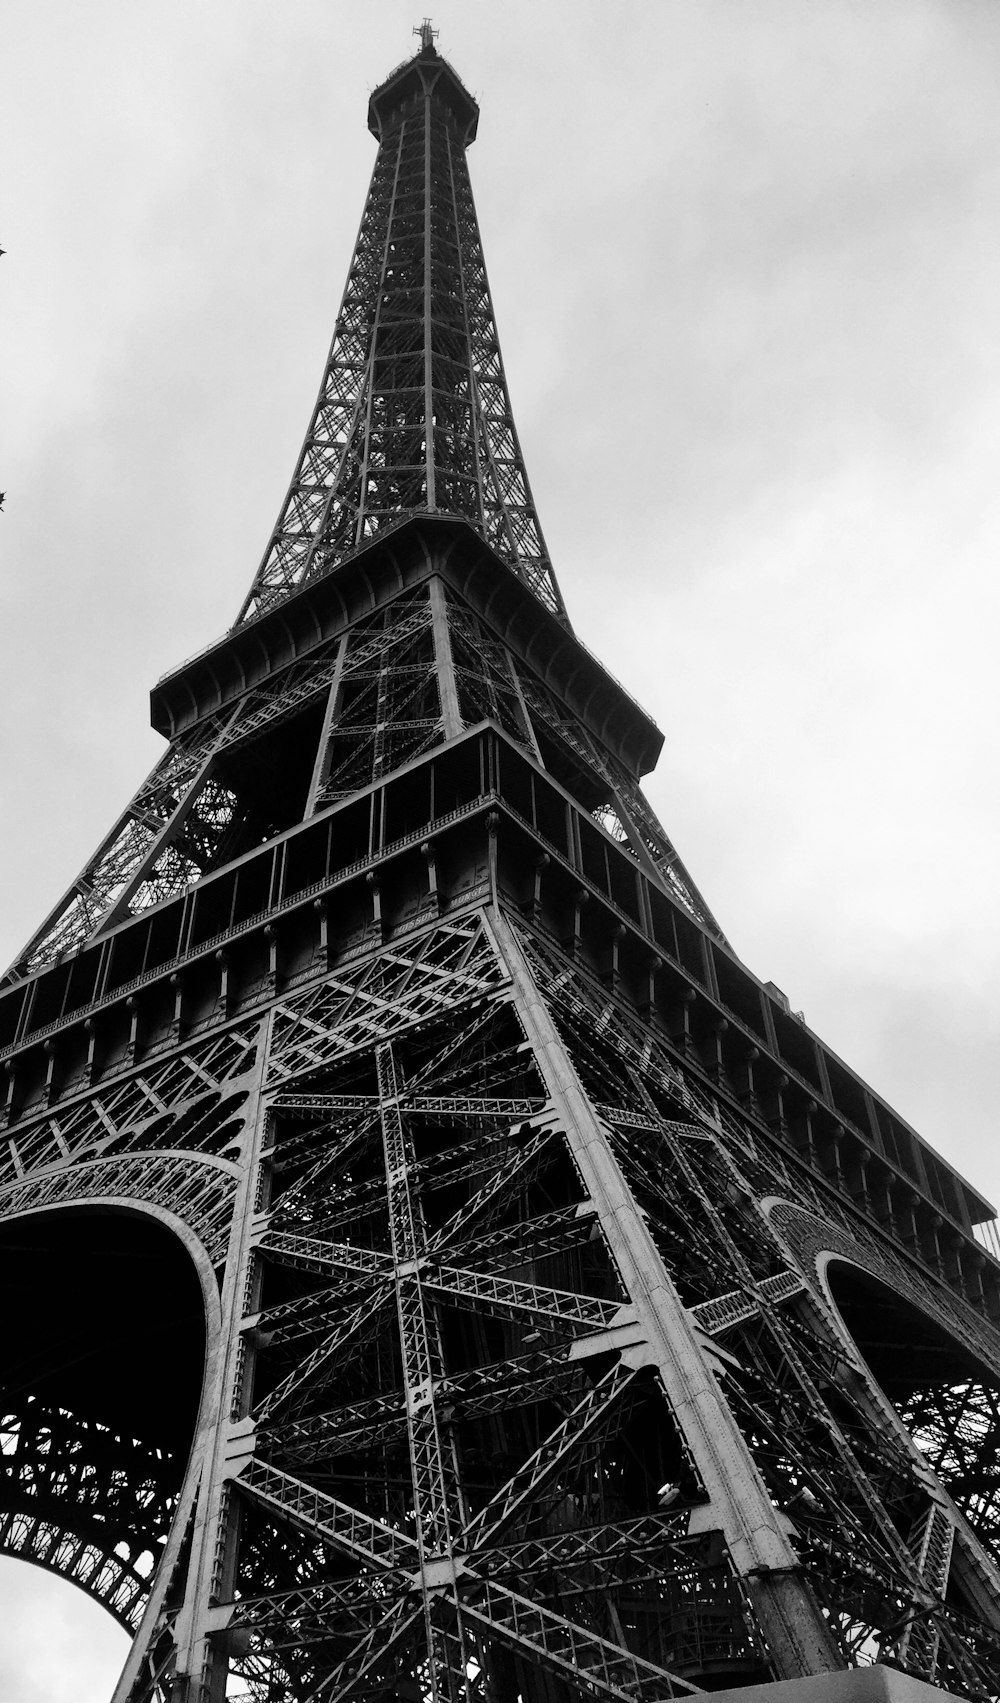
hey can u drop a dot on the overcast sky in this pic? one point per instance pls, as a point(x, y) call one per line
point(745, 256)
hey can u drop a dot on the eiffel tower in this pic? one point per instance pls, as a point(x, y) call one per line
point(444, 1271)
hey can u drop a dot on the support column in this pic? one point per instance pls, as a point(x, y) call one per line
point(322, 764)
point(202, 1654)
point(755, 1531)
point(451, 715)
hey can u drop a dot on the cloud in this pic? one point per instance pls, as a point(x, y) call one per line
point(57, 1646)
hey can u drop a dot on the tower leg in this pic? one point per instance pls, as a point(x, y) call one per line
point(795, 1630)
point(200, 1662)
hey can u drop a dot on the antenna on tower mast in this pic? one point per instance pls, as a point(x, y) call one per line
point(426, 33)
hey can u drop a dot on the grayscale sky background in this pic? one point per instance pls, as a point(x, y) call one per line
point(745, 256)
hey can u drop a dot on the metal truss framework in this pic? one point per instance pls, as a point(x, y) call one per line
point(413, 413)
point(522, 1387)
point(400, 681)
point(520, 1303)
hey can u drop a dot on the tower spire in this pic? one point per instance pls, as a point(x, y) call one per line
point(413, 414)
point(412, 434)
point(427, 35)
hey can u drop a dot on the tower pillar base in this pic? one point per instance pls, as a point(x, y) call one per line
point(876, 1684)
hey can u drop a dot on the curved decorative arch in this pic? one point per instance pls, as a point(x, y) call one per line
point(119, 1583)
point(813, 1242)
point(963, 1487)
point(192, 1193)
point(56, 1464)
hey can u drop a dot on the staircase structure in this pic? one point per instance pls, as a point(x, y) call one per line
point(443, 1270)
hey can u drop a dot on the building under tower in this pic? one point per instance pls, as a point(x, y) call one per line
point(515, 1300)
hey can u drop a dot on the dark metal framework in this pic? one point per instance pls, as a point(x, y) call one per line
point(413, 413)
point(513, 1299)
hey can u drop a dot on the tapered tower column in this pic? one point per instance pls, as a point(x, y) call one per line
point(738, 1503)
point(413, 415)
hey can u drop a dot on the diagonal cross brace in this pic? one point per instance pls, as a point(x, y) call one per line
point(328, 1520)
point(594, 1415)
point(499, 1294)
point(366, 1661)
point(583, 1660)
point(739, 1305)
point(356, 1328)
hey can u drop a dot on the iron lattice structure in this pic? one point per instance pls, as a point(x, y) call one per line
point(413, 413)
point(445, 1271)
